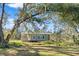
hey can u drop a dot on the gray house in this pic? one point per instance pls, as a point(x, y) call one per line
point(35, 36)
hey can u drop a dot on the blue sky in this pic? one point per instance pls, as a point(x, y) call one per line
point(12, 10)
point(12, 16)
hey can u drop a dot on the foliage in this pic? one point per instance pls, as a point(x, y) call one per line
point(16, 43)
point(69, 14)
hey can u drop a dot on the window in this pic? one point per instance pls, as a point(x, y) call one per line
point(43, 36)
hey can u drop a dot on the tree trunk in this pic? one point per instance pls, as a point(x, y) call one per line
point(2, 41)
point(17, 24)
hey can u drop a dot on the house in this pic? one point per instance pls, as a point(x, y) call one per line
point(35, 36)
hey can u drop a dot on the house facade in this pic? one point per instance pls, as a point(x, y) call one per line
point(35, 36)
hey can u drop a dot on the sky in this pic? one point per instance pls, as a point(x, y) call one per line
point(12, 10)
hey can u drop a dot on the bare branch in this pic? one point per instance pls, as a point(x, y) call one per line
point(17, 24)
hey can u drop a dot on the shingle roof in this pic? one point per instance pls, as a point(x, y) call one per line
point(36, 33)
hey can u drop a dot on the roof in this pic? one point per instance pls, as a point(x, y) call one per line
point(36, 33)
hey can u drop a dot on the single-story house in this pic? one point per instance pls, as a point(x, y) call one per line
point(35, 36)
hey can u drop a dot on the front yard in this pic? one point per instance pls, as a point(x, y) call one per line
point(44, 48)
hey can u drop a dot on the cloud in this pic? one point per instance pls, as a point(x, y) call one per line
point(16, 5)
point(10, 23)
point(10, 20)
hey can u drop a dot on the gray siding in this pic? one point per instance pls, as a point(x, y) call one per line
point(34, 37)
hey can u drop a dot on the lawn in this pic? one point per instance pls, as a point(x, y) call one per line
point(44, 48)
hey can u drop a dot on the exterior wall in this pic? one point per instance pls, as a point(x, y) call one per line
point(25, 37)
point(34, 37)
point(39, 37)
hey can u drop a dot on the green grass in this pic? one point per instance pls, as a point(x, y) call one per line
point(43, 48)
point(50, 43)
point(43, 53)
point(16, 43)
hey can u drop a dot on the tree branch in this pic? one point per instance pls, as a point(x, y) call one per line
point(17, 24)
point(2, 14)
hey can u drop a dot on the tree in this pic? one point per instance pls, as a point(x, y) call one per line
point(22, 18)
point(2, 40)
point(29, 12)
point(66, 11)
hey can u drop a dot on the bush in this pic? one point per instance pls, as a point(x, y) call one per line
point(16, 43)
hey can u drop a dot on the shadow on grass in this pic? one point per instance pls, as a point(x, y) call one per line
point(27, 50)
point(34, 51)
point(59, 50)
point(31, 51)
